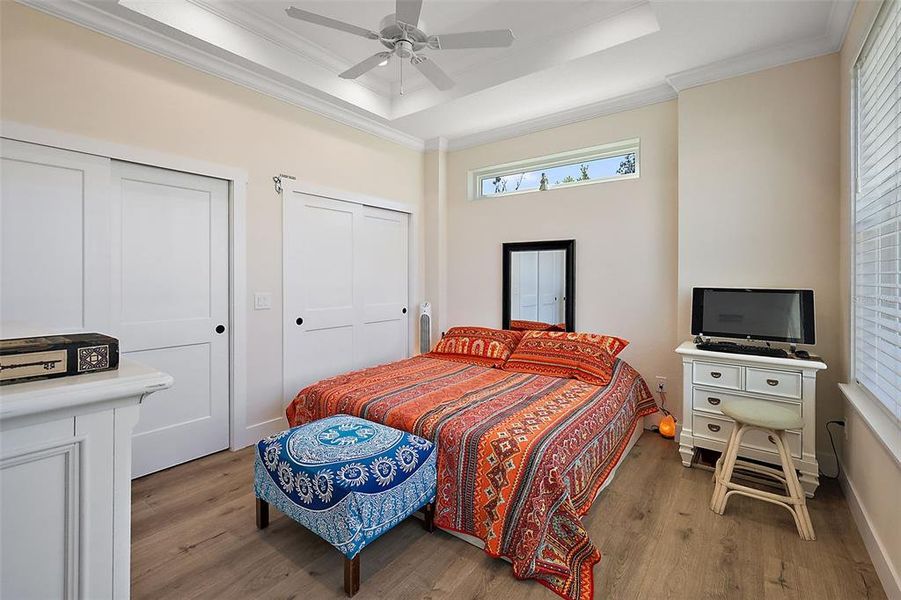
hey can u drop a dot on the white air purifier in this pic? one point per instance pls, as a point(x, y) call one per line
point(425, 327)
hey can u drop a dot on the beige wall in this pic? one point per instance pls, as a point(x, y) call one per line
point(625, 234)
point(758, 196)
point(871, 472)
point(63, 77)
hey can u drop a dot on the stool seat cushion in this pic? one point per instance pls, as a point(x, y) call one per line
point(346, 479)
point(758, 413)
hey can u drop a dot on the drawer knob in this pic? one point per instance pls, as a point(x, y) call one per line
point(716, 374)
point(713, 428)
point(714, 401)
point(772, 382)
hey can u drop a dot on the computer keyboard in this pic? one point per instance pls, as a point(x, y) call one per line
point(742, 349)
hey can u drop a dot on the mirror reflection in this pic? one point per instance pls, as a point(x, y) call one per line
point(538, 285)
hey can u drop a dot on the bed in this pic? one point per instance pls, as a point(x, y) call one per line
point(521, 456)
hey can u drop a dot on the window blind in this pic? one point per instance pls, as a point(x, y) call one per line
point(877, 211)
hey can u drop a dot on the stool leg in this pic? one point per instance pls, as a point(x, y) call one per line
point(795, 492)
point(262, 514)
point(718, 503)
point(428, 521)
point(351, 575)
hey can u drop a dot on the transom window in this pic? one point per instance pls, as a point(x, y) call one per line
point(574, 168)
point(877, 212)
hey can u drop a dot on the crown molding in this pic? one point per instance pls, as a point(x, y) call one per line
point(94, 18)
point(774, 56)
point(287, 39)
point(438, 144)
point(646, 97)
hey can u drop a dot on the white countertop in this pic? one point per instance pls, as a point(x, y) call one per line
point(689, 348)
point(80, 392)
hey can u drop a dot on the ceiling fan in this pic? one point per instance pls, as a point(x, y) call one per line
point(401, 34)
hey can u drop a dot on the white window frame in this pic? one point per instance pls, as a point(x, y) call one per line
point(569, 157)
point(877, 416)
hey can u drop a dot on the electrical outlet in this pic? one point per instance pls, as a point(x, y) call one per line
point(661, 384)
point(262, 301)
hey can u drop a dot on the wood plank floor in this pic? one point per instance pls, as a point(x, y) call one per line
point(194, 537)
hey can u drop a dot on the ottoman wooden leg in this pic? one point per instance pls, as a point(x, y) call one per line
point(262, 514)
point(428, 512)
point(351, 575)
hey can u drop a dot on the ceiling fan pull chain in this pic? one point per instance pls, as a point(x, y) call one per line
point(401, 66)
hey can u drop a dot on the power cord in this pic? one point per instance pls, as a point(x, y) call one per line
point(838, 462)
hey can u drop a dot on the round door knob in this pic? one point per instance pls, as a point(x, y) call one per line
point(220, 328)
point(404, 310)
point(299, 320)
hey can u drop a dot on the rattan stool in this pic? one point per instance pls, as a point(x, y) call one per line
point(773, 420)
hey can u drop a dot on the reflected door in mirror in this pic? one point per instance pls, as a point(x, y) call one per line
point(537, 286)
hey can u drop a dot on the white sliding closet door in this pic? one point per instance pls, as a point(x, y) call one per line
point(54, 234)
point(170, 306)
point(382, 281)
point(91, 244)
point(345, 288)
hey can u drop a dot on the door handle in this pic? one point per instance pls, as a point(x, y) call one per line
point(299, 320)
point(220, 328)
point(404, 310)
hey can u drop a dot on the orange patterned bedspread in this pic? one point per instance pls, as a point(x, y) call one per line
point(520, 456)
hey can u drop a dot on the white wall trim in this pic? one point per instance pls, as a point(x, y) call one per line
point(768, 58)
point(653, 95)
point(891, 583)
point(237, 178)
point(96, 19)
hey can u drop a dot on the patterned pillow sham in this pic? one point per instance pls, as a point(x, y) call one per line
point(588, 357)
point(523, 325)
point(477, 345)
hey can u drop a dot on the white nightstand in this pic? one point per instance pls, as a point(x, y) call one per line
point(710, 377)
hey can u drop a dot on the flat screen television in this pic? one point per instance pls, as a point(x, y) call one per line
point(753, 314)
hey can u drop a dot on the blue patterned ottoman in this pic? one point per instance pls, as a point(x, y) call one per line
point(347, 480)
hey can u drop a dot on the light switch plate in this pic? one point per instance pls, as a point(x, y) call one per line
point(262, 301)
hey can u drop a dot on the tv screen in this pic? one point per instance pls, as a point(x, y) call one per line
point(754, 314)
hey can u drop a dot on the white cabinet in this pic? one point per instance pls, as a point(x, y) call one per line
point(711, 377)
point(65, 483)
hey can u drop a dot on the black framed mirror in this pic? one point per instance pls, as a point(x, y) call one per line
point(539, 284)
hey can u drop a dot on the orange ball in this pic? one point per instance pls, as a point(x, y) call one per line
point(667, 427)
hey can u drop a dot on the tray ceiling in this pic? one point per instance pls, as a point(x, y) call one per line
point(571, 59)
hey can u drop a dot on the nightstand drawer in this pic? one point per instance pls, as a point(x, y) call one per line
point(776, 383)
point(710, 400)
point(719, 375)
point(720, 428)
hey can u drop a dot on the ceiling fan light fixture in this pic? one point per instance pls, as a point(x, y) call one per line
point(384, 62)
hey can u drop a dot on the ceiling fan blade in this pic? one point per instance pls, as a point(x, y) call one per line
point(433, 73)
point(407, 11)
point(367, 65)
point(493, 38)
point(305, 15)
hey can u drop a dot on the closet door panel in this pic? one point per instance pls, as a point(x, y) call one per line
point(382, 278)
point(170, 306)
point(54, 238)
point(320, 297)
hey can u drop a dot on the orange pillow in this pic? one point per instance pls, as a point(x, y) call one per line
point(587, 357)
point(477, 345)
point(522, 325)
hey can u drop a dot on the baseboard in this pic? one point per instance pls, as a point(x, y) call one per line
point(254, 433)
point(884, 569)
